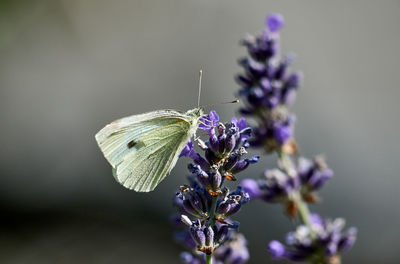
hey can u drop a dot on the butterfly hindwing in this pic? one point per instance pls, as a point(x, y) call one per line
point(143, 149)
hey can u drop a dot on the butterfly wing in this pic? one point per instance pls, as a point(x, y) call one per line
point(143, 149)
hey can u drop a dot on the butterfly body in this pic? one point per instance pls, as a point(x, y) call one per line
point(142, 149)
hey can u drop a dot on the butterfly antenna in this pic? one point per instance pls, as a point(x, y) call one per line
point(198, 97)
point(230, 102)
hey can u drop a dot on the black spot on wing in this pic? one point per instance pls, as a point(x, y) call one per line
point(131, 144)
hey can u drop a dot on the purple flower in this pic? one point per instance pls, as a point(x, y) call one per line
point(313, 174)
point(188, 150)
point(278, 186)
point(268, 87)
point(274, 22)
point(233, 252)
point(231, 204)
point(241, 124)
point(223, 158)
point(251, 187)
point(324, 240)
point(193, 202)
point(283, 132)
point(188, 258)
point(276, 249)
point(224, 150)
point(185, 238)
point(209, 122)
point(347, 241)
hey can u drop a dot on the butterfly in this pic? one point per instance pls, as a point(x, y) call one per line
point(142, 149)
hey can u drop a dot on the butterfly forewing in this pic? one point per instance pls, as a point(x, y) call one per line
point(144, 169)
point(144, 148)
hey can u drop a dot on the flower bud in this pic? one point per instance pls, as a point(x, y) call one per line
point(274, 22)
point(231, 161)
point(211, 157)
point(209, 234)
point(239, 166)
point(214, 143)
point(221, 140)
point(276, 249)
point(198, 235)
point(223, 208)
point(216, 180)
point(221, 234)
point(251, 187)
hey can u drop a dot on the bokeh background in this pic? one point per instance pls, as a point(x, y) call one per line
point(69, 67)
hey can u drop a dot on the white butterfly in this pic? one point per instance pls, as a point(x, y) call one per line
point(143, 149)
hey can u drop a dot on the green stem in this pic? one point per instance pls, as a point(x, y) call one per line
point(302, 206)
point(211, 222)
point(304, 212)
point(286, 161)
point(305, 215)
point(209, 259)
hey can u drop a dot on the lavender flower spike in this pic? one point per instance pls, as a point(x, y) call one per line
point(205, 205)
point(268, 88)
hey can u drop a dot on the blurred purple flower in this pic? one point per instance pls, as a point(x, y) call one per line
point(323, 241)
point(313, 174)
point(268, 87)
point(276, 249)
point(274, 22)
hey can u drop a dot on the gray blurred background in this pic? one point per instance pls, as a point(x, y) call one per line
point(69, 67)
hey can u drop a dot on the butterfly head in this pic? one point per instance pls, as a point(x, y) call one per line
point(195, 113)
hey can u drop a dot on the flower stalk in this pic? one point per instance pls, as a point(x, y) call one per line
point(305, 215)
point(209, 259)
point(211, 222)
point(206, 205)
point(269, 87)
point(298, 202)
